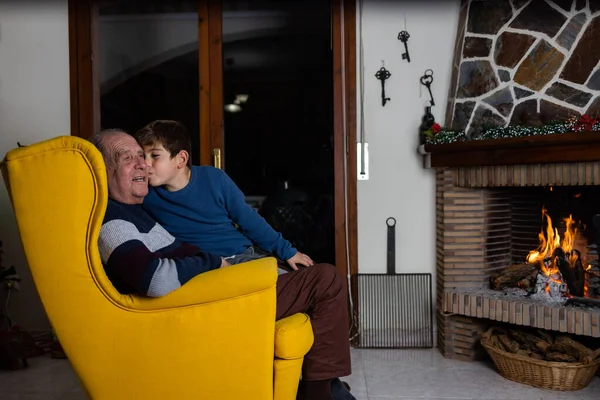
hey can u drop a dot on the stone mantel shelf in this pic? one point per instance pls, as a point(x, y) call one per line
point(543, 149)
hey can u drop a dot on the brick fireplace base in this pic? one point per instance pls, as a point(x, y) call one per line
point(458, 337)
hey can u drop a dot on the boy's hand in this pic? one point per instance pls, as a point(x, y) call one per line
point(224, 263)
point(300, 258)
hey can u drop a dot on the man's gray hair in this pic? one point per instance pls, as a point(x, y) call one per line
point(98, 140)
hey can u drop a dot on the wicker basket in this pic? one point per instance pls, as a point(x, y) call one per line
point(542, 374)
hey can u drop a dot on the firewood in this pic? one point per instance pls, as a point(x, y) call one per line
point(529, 281)
point(502, 347)
point(513, 275)
point(559, 357)
point(523, 352)
point(510, 345)
point(591, 358)
point(536, 356)
point(543, 346)
point(529, 341)
point(493, 340)
point(546, 336)
point(571, 347)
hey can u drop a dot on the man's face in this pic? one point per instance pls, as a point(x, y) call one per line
point(126, 169)
point(162, 169)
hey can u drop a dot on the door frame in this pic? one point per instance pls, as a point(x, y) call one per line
point(85, 104)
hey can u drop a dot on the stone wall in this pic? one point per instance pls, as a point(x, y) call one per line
point(520, 62)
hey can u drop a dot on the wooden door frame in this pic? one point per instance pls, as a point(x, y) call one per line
point(210, 28)
point(85, 107)
point(83, 72)
point(85, 81)
point(344, 126)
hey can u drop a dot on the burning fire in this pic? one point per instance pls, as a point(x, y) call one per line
point(547, 256)
point(550, 240)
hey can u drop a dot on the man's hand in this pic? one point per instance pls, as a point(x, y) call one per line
point(300, 258)
point(224, 263)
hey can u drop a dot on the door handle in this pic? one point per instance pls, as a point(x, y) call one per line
point(217, 158)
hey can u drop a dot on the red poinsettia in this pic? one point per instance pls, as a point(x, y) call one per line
point(436, 128)
point(586, 122)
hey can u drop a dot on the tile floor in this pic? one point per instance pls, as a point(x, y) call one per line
point(378, 375)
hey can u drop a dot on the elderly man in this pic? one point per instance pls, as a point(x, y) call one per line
point(140, 256)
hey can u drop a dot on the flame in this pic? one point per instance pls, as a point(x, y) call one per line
point(549, 241)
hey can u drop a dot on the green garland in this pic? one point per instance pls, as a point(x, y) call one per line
point(445, 136)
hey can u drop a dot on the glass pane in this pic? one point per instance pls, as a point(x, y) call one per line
point(278, 116)
point(149, 64)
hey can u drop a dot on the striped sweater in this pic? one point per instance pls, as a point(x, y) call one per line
point(140, 256)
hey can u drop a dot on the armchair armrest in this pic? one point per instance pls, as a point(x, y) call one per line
point(293, 337)
point(221, 284)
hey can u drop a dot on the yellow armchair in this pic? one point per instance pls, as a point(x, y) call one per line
point(214, 338)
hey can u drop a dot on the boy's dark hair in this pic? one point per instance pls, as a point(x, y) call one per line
point(173, 136)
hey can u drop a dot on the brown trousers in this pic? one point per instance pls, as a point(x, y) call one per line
point(319, 291)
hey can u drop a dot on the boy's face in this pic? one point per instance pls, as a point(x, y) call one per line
point(162, 168)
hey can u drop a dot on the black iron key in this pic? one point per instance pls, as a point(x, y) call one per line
point(403, 37)
point(383, 74)
point(427, 80)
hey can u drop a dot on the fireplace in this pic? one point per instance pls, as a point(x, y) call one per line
point(563, 266)
point(490, 204)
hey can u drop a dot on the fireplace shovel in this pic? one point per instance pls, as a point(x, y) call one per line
point(394, 310)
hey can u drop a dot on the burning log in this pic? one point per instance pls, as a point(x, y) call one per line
point(561, 261)
point(571, 269)
point(540, 345)
point(578, 275)
point(561, 264)
point(516, 276)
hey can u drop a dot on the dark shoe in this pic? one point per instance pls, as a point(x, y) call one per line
point(340, 390)
point(56, 351)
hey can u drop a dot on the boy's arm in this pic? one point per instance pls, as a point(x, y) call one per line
point(252, 224)
point(151, 273)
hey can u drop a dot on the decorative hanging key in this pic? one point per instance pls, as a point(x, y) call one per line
point(383, 74)
point(427, 80)
point(403, 37)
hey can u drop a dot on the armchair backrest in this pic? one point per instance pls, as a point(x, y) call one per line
point(59, 193)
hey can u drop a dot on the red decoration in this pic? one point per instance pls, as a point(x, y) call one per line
point(436, 128)
point(585, 122)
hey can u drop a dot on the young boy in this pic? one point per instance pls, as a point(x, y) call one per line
point(202, 205)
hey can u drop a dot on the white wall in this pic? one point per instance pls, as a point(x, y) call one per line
point(34, 105)
point(399, 187)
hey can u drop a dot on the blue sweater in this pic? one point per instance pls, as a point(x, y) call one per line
point(140, 256)
point(205, 213)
